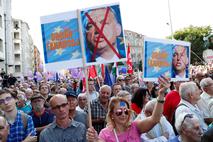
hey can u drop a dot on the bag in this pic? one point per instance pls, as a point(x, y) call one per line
point(24, 118)
point(173, 118)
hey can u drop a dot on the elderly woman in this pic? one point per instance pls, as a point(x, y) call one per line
point(120, 128)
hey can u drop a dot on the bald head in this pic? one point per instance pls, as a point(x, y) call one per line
point(56, 99)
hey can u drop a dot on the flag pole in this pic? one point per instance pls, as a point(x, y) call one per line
point(170, 19)
point(84, 66)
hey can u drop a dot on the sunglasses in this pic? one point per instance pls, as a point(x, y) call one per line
point(59, 106)
point(120, 111)
point(186, 116)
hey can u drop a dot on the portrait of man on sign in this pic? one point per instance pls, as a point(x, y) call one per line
point(180, 62)
point(103, 34)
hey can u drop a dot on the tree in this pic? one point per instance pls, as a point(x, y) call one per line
point(196, 36)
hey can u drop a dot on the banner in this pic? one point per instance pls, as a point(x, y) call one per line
point(61, 41)
point(166, 57)
point(103, 34)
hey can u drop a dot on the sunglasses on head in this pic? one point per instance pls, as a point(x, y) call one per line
point(120, 111)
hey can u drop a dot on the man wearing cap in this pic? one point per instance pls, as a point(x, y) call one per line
point(73, 113)
point(41, 116)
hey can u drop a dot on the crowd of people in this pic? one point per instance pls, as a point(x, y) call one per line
point(127, 111)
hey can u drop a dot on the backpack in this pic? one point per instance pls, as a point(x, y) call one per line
point(173, 118)
point(24, 118)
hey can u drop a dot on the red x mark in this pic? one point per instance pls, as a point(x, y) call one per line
point(181, 55)
point(100, 31)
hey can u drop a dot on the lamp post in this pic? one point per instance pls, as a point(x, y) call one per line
point(170, 19)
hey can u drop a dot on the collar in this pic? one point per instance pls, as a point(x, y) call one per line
point(72, 123)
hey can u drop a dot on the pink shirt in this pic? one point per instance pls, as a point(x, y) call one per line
point(131, 135)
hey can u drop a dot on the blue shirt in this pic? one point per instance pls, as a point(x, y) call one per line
point(17, 131)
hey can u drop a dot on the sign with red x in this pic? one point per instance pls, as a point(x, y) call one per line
point(103, 34)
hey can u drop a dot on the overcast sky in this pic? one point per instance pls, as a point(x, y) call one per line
point(147, 17)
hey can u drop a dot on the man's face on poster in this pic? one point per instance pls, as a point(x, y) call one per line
point(111, 29)
point(180, 59)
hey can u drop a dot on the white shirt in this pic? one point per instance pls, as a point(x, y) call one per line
point(156, 133)
point(189, 108)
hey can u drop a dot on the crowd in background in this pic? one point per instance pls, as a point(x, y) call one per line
point(129, 110)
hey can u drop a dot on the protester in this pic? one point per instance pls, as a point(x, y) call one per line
point(41, 116)
point(82, 102)
point(162, 131)
point(63, 129)
point(190, 95)
point(139, 99)
point(73, 113)
point(188, 127)
point(4, 129)
point(21, 125)
point(115, 89)
point(99, 108)
point(120, 127)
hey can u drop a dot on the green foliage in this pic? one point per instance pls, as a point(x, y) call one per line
point(195, 36)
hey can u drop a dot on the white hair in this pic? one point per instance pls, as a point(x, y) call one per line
point(205, 82)
point(181, 121)
point(150, 104)
point(105, 86)
point(187, 88)
point(82, 95)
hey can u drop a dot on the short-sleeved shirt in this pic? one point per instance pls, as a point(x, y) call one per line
point(131, 135)
point(98, 111)
point(17, 131)
point(46, 118)
point(75, 132)
point(81, 117)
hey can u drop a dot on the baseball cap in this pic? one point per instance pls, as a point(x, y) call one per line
point(36, 96)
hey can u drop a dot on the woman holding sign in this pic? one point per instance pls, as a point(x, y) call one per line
point(120, 128)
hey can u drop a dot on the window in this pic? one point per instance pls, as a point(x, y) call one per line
point(17, 68)
point(1, 45)
point(16, 35)
point(17, 57)
point(16, 25)
point(17, 46)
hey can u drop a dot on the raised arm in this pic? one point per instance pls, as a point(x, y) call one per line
point(148, 123)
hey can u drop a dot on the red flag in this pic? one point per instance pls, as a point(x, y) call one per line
point(129, 61)
point(102, 71)
point(92, 72)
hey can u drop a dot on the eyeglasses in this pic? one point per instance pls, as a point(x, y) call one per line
point(120, 111)
point(59, 106)
point(186, 116)
point(2, 101)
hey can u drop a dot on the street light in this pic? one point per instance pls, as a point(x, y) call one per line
point(170, 19)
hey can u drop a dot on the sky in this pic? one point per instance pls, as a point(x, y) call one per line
point(147, 17)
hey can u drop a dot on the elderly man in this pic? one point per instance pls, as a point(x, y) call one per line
point(62, 129)
point(190, 95)
point(162, 131)
point(188, 127)
point(40, 115)
point(4, 129)
point(206, 85)
point(82, 102)
point(99, 108)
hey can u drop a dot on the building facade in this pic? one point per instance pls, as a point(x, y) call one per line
point(135, 41)
point(23, 48)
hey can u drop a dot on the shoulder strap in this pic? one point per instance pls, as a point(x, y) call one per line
point(24, 118)
point(173, 118)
